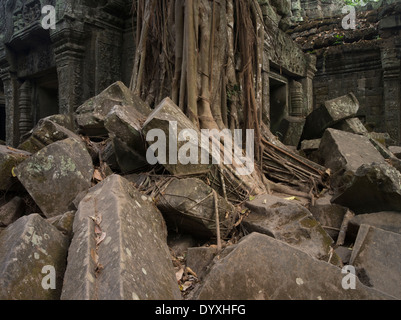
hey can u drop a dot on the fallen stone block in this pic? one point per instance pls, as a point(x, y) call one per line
point(63, 223)
point(309, 149)
point(353, 125)
point(45, 133)
point(376, 256)
point(168, 118)
point(262, 268)
point(372, 188)
point(329, 215)
point(386, 220)
point(31, 253)
point(343, 152)
point(64, 120)
point(184, 150)
point(290, 130)
point(290, 222)
point(91, 115)
point(10, 158)
point(56, 174)
point(327, 115)
point(119, 249)
point(11, 211)
point(188, 204)
point(108, 155)
point(124, 126)
point(310, 145)
point(129, 159)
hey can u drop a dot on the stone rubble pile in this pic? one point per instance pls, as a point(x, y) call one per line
point(83, 215)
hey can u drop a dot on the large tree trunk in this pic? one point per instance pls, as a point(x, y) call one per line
point(210, 63)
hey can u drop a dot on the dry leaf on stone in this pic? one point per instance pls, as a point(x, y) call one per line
point(97, 175)
point(100, 239)
point(98, 231)
point(94, 256)
point(179, 274)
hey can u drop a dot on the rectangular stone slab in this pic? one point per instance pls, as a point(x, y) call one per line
point(26, 247)
point(188, 205)
point(124, 124)
point(290, 222)
point(330, 113)
point(130, 259)
point(372, 188)
point(90, 116)
point(161, 117)
point(347, 151)
point(377, 258)
point(56, 174)
point(45, 133)
point(262, 268)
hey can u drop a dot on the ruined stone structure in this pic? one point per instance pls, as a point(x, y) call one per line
point(365, 61)
point(288, 75)
point(44, 72)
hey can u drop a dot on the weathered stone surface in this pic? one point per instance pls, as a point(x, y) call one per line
point(329, 215)
point(128, 157)
point(108, 155)
point(10, 158)
point(310, 145)
point(45, 133)
point(386, 220)
point(165, 113)
point(183, 150)
point(396, 150)
point(377, 257)
point(64, 120)
point(344, 253)
point(26, 246)
point(372, 188)
point(290, 130)
point(131, 259)
point(11, 211)
point(343, 151)
point(353, 125)
point(289, 222)
point(64, 223)
point(262, 268)
point(91, 115)
point(188, 204)
point(199, 259)
point(124, 125)
point(56, 174)
point(329, 114)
